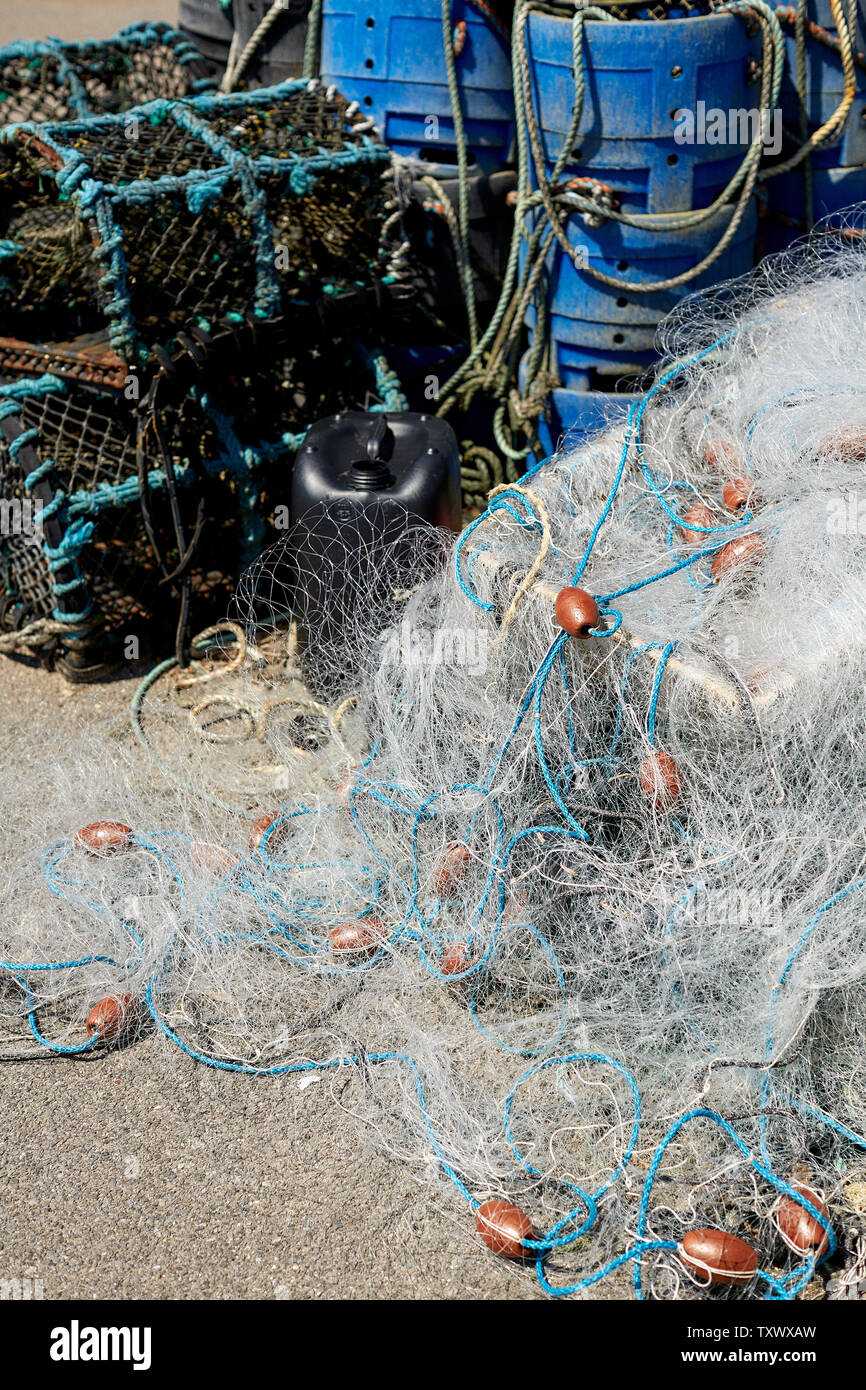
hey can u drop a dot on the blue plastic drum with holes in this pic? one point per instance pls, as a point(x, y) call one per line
point(571, 417)
point(652, 89)
point(388, 55)
point(832, 191)
point(824, 85)
point(593, 324)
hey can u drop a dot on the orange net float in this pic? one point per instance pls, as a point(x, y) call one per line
point(260, 829)
point(698, 514)
point(450, 868)
point(723, 456)
point(740, 492)
point(344, 785)
point(358, 938)
point(798, 1227)
point(739, 557)
point(103, 837)
point(456, 959)
point(660, 780)
point(576, 612)
point(504, 1227)
point(111, 1016)
point(849, 444)
point(216, 858)
point(718, 1257)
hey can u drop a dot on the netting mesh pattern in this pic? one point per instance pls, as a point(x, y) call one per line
point(571, 894)
point(185, 211)
point(53, 80)
point(84, 563)
point(81, 458)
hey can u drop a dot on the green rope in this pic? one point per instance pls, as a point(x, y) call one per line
point(462, 170)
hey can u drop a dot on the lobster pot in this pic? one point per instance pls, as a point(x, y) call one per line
point(389, 56)
point(50, 80)
point(79, 573)
point(650, 89)
point(595, 328)
point(179, 213)
point(824, 86)
point(88, 449)
point(279, 54)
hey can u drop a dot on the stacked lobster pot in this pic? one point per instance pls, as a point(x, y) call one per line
point(182, 288)
point(644, 136)
point(821, 167)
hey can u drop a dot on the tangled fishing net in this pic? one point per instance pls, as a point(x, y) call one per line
point(573, 889)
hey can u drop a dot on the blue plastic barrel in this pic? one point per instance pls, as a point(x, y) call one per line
point(640, 76)
point(388, 55)
point(832, 190)
point(592, 325)
point(572, 416)
point(825, 84)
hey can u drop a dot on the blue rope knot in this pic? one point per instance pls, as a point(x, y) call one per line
point(80, 533)
point(603, 630)
point(301, 180)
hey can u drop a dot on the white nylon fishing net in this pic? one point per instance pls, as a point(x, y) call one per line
point(582, 916)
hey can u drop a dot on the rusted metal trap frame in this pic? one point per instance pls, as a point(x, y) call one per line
point(225, 185)
point(56, 80)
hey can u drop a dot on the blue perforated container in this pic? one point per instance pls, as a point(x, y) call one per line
point(639, 76)
point(825, 84)
point(832, 190)
point(592, 325)
point(572, 416)
point(388, 55)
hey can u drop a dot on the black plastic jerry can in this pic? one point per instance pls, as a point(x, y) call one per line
point(369, 491)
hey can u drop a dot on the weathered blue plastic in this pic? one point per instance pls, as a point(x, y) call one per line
point(589, 322)
point(388, 56)
point(572, 416)
point(627, 133)
point(832, 190)
point(825, 86)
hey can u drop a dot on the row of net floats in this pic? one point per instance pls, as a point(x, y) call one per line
point(643, 195)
